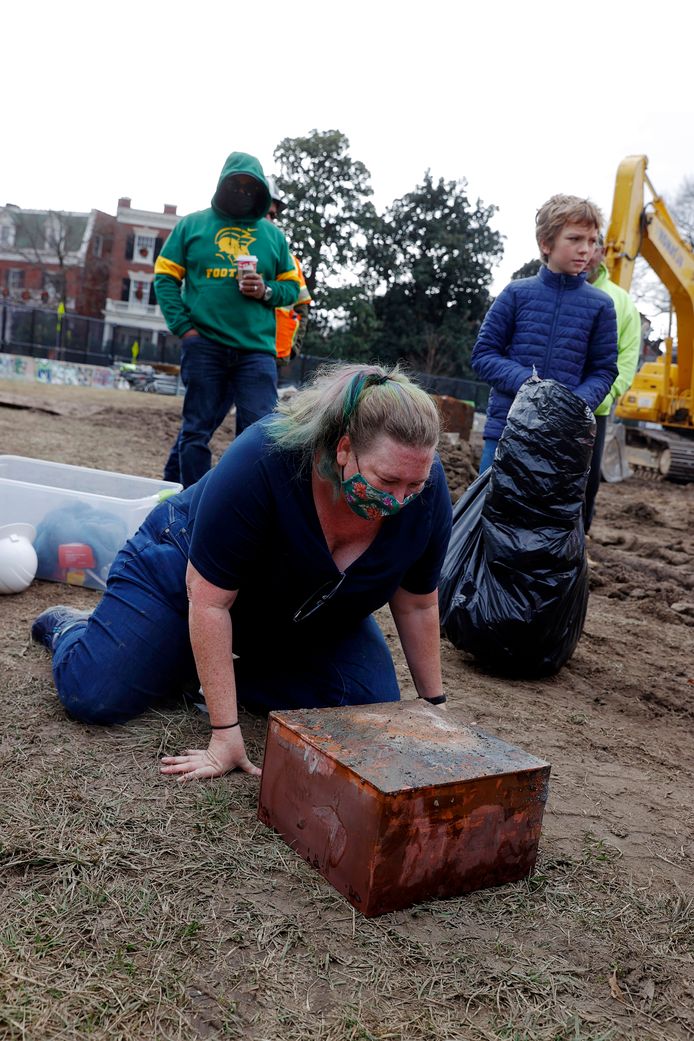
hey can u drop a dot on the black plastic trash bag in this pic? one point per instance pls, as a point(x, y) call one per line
point(514, 585)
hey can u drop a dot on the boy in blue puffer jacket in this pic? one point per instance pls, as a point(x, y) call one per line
point(555, 321)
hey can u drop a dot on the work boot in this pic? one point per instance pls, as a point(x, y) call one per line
point(54, 622)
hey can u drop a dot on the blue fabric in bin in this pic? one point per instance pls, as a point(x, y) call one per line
point(102, 531)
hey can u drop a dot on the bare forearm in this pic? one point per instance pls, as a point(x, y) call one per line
point(209, 623)
point(210, 637)
point(419, 632)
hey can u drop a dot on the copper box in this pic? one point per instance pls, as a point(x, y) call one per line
point(397, 803)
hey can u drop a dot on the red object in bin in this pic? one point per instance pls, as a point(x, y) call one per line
point(397, 803)
point(75, 554)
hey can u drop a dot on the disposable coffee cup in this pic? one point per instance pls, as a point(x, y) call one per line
point(246, 265)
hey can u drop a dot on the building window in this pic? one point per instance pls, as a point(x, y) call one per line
point(6, 234)
point(15, 278)
point(97, 246)
point(53, 284)
point(139, 292)
point(144, 249)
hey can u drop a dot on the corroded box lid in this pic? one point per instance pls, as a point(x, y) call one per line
point(401, 745)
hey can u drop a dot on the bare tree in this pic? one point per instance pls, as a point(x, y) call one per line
point(45, 240)
point(683, 210)
point(649, 293)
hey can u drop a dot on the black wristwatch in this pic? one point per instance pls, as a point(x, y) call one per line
point(267, 295)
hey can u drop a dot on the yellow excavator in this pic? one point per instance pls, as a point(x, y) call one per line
point(660, 401)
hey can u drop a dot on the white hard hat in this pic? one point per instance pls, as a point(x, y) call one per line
point(18, 560)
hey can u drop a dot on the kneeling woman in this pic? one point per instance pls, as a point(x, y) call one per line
point(260, 581)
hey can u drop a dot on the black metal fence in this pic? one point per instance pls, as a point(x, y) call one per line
point(466, 390)
point(41, 333)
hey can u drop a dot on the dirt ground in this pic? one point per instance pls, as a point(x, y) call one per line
point(134, 907)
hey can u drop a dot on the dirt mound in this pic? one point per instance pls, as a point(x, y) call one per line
point(641, 511)
point(642, 549)
point(461, 460)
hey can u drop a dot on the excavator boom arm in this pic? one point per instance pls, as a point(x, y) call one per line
point(637, 227)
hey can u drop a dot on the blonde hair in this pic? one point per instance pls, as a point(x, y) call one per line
point(363, 401)
point(561, 210)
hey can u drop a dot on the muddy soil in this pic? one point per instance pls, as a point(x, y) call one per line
point(616, 724)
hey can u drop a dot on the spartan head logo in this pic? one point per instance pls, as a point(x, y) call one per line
point(231, 242)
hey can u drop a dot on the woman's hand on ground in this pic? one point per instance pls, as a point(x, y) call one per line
point(225, 752)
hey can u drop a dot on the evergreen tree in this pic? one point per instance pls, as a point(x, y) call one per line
point(432, 253)
point(328, 211)
point(531, 267)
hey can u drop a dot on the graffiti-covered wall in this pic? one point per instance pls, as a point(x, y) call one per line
point(61, 373)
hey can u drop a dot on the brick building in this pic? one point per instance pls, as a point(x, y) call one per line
point(131, 311)
point(48, 256)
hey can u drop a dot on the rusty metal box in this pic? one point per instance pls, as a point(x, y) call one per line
point(396, 803)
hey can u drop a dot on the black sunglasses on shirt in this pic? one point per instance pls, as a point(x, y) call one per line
point(316, 600)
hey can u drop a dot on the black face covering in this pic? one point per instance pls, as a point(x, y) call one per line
point(239, 205)
point(237, 201)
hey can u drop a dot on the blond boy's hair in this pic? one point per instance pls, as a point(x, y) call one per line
point(561, 210)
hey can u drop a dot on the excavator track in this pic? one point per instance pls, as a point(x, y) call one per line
point(660, 454)
point(678, 463)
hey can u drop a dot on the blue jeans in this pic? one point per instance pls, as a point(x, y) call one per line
point(488, 451)
point(133, 653)
point(216, 377)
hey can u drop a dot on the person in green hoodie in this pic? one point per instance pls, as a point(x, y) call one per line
point(226, 324)
point(628, 347)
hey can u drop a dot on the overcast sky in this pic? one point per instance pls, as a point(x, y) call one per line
point(522, 100)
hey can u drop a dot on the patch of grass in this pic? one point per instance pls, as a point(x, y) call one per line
point(137, 908)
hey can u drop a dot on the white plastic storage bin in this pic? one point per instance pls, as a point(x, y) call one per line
point(82, 516)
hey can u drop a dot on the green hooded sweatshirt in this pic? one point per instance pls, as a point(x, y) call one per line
point(628, 338)
point(195, 273)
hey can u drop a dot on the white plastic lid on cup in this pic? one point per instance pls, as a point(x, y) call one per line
point(18, 560)
point(246, 260)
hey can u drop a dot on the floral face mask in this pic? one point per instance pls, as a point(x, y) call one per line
point(369, 502)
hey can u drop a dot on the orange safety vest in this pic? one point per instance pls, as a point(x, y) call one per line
point(287, 320)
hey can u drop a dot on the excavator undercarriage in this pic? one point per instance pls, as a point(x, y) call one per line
point(660, 453)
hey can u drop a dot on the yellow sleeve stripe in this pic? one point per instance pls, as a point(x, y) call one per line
point(163, 266)
point(288, 276)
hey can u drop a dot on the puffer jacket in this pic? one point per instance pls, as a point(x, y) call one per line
point(561, 325)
